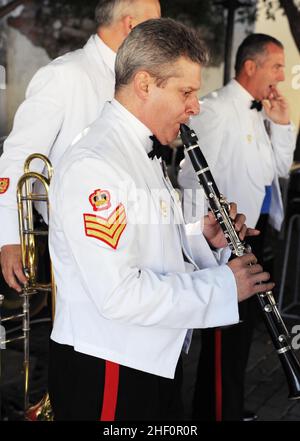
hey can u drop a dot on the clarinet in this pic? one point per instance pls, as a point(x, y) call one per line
point(220, 207)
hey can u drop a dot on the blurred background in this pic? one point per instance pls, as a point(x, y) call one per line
point(32, 32)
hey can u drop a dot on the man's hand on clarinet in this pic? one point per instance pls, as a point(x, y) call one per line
point(214, 233)
point(249, 276)
point(12, 269)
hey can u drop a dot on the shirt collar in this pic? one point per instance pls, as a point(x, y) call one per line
point(242, 94)
point(140, 130)
point(107, 54)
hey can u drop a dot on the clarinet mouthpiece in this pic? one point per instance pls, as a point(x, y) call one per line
point(186, 135)
point(184, 128)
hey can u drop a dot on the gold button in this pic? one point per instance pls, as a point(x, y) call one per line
point(163, 208)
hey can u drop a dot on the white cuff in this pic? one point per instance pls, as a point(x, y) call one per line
point(201, 251)
point(282, 129)
point(222, 255)
point(223, 304)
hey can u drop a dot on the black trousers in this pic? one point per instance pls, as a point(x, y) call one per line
point(85, 388)
point(219, 389)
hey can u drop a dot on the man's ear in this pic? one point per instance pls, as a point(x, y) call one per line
point(250, 67)
point(127, 24)
point(142, 81)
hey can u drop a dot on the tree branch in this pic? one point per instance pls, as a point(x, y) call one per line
point(293, 15)
point(4, 10)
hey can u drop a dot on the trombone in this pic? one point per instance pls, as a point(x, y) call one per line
point(29, 234)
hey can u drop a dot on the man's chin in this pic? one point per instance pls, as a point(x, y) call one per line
point(170, 138)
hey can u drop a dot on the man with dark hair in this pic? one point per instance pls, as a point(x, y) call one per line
point(61, 100)
point(248, 140)
point(252, 48)
point(129, 285)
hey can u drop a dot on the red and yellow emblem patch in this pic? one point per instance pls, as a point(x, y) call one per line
point(100, 200)
point(4, 184)
point(108, 230)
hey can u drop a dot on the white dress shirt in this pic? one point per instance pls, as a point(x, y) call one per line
point(243, 158)
point(131, 302)
point(61, 100)
point(260, 135)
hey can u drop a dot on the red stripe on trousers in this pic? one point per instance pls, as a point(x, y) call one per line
point(110, 395)
point(218, 373)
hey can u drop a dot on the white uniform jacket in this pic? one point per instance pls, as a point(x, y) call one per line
point(125, 293)
point(230, 143)
point(61, 100)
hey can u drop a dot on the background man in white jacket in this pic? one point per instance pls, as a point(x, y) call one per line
point(246, 135)
point(61, 100)
point(129, 284)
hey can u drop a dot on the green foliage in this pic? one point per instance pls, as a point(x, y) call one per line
point(270, 8)
point(62, 21)
point(206, 15)
point(67, 8)
point(203, 14)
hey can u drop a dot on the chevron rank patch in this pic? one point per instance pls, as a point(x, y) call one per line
point(4, 184)
point(100, 200)
point(107, 230)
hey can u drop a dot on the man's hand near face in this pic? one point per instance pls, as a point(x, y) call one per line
point(276, 107)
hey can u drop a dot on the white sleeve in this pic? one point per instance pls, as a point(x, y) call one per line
point(109, 260)
point(198, 242)
point(283, 139)
point(36, 126)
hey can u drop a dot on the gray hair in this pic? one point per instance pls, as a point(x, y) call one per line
point(253, 47)
point(108, 11)
point(155, 46)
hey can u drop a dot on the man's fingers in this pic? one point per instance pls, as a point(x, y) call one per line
point(262, 277)
point(274, 93)
point(255, 269)
point(233, 210)
point(267, 105)
point(248, 259)
point(12, 268)
point(277, 94)
point(252, 232)
point(212, 218)
point(239, 222)
point(20, 275)
point(243, 263)
point(17, 268)
point(242, 232)
point(263, 287)
point(11, 280)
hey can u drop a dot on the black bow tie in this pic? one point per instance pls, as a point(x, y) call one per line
point(256, 105)
point(159, 150)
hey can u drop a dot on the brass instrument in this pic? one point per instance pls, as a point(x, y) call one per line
point(220, 207)
point(29, 234)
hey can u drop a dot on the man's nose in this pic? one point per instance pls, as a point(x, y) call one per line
point(281, 76)
point(193, 107)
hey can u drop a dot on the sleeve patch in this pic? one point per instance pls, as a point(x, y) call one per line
point(4, 184)
point(100, 200)
point(107, 230)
